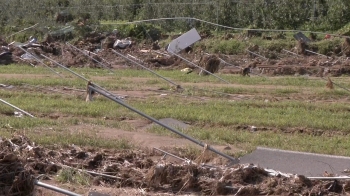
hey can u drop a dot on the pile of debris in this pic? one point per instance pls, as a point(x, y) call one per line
point(21, 159)
point(15, 179)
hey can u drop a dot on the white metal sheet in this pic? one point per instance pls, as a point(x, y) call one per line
point(184, 41)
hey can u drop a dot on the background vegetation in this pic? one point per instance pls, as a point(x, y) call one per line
point(315, 15)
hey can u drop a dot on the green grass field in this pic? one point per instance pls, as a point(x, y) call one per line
point(293, 113)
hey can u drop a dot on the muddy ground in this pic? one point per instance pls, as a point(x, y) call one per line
point(146, 171)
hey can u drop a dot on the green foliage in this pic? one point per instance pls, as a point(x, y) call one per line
point(345, 30)
point(140, 31)
point(73, 176)
point(327, 47)
point(232, 46)
point(325, 15)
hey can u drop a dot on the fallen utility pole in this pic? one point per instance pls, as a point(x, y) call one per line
point(65, 68)
point(40, 61)
point(17, 108)
point(101, 91)
point(125, 57)
point(200, 68)
point(256, 54)
point(92, 88)
point(54, 188)
point(86, 54)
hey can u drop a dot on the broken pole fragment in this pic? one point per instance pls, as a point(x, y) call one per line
point(258, 55)
point(54, 188)
point(167, 153)
point(17, 108)
point(232, 159)
point(291, 52)
point(312, 52)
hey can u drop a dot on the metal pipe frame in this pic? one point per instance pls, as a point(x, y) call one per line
point(312, 52)
point(234, 160)
point(136, 63)
point(64, 67)
point(17, 108)
point(330, 178)
point(54, 188)
point(83, 52)
point(184, 160)
point(40, 61)
point(200, 68)
point(167, 153)
point(78, 75)
point(291, 52)
point(94, 173)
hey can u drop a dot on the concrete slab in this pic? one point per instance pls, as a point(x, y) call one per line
point(308, 164)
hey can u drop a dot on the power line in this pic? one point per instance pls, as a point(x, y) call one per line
point(223, 26)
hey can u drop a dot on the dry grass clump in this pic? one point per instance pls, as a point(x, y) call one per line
point(210, 63)
point(301, 47)
point(329, 84)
